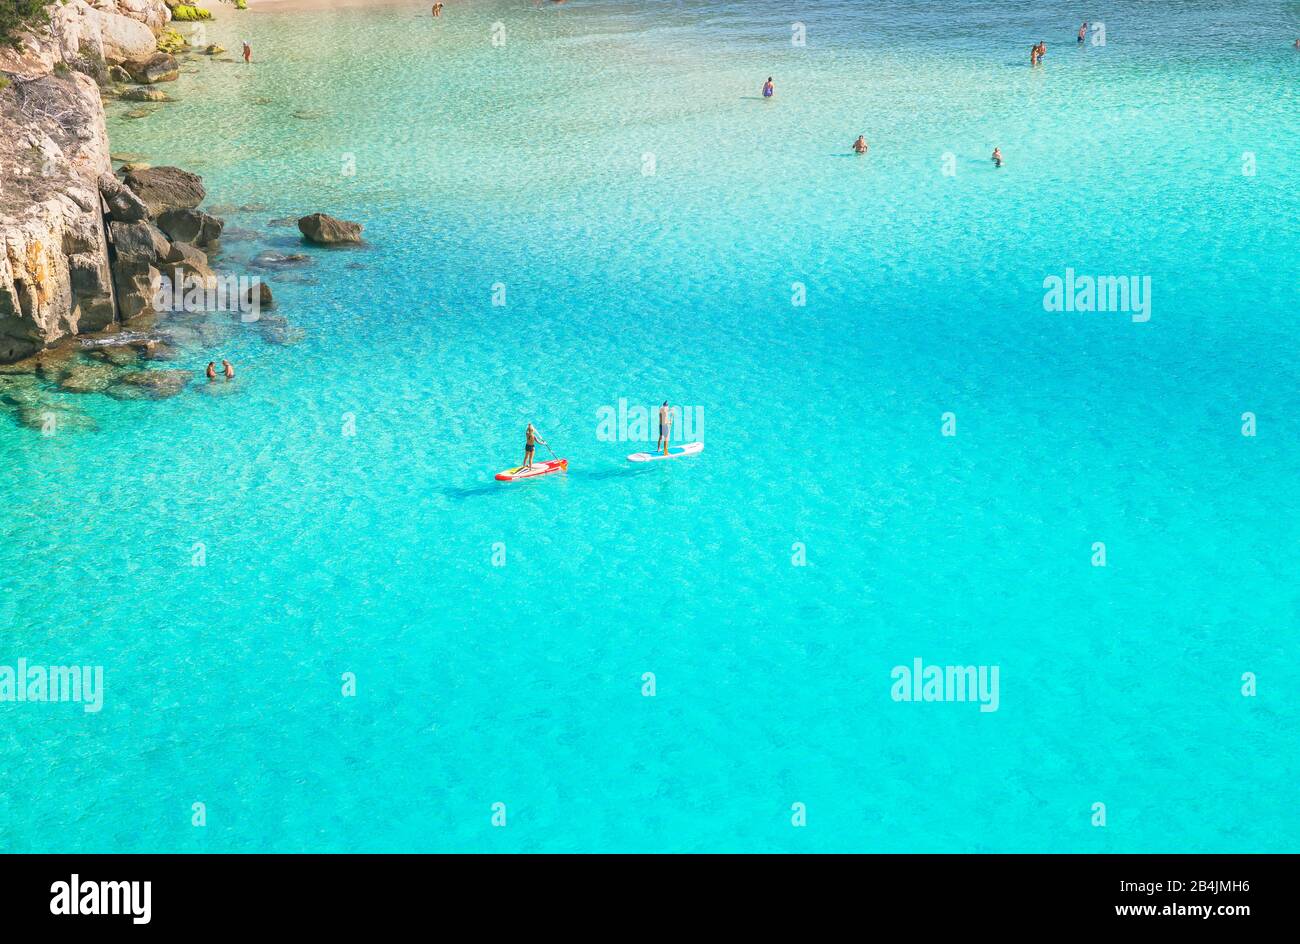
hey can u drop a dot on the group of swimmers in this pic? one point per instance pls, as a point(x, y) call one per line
point(532, 437)
point(226, 368)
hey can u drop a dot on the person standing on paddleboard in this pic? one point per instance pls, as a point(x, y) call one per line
point(665, 427)
point(531, 439)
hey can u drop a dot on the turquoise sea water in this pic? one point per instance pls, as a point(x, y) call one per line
point(525, 165)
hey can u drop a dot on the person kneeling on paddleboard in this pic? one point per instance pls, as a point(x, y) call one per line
point(665, 427)
point(531, 439)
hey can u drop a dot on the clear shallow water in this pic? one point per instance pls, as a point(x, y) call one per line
point(523, 165)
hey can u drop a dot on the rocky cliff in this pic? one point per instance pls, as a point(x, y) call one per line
point(55, 274)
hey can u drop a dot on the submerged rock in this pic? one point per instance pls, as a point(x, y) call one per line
point(52, 419)
point(239, 234)
point(161, 351)
point(328, 230)
point(50, 364)
point(269, 259)
point(150, 384)
point(88, 378)
point(282, 335)
point(119, 355)
point(145, 93)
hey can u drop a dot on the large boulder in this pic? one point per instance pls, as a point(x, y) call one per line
point(138, 243)
point(126, 39)
point(191, 226)
point(144, 93)
point(326, 230)
point(166, 188)
point(185, 254)
point(138, 248)
point(186, 266)
point(259, 296)
point(123, 205)
point(160, 67)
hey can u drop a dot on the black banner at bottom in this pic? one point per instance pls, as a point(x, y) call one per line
point(1221, 894)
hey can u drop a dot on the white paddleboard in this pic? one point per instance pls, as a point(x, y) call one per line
point(674, 452)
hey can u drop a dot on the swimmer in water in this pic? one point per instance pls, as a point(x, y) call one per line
point(860, 145)
point(997, 157)
point(212, 370)
point(1083, 31)
point(248, 52)
point(768, 88)
point(228, 369)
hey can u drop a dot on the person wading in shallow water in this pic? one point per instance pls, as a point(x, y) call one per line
point(437, 9)
point(997, 157)
point(248, 53)
point(212, 370)
point(228, 369)
point(768, 88)
point(860, 145)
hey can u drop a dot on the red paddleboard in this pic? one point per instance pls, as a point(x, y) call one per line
point(690, 449)
point(539, 468)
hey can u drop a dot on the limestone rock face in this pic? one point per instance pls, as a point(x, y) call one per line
point(328, 231)
point(166, 188)
point(54, 277)
point(82, 32)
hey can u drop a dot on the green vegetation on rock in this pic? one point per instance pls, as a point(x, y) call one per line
point(188, 13)
point(14, 15)
point(169, 40)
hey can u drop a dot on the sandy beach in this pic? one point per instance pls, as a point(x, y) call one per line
point(294, 6)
